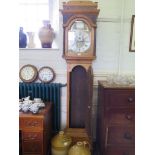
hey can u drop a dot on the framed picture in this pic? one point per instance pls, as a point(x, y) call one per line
point(132, 35)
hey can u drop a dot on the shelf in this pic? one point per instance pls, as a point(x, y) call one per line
point(29, 49)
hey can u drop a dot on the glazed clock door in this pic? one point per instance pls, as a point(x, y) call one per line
point(79, 37)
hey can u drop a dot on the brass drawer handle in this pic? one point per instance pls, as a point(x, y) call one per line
point(127, 136)
point(32, 124)
point(35, 123)
point(32, 137)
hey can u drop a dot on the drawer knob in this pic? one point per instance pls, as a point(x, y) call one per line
point(128, 116)
point(130, 99)
point(127, 136)
point(89, 107)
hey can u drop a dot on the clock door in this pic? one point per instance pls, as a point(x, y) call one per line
point(79, 97)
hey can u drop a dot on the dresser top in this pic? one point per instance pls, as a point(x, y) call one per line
point(41, 112)
point(107, 84)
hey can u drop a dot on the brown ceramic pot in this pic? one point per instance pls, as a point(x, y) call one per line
point(80, 148)
point(46, 35)
point(60, 144)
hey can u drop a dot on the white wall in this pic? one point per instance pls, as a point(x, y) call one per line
point(113, 56)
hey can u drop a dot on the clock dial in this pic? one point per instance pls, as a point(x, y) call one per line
point(46, 74)
point(79, 37)
point(28, 73)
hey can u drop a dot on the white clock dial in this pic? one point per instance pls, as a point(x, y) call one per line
point(46, 74)
point(79, 37)
point(28, 73)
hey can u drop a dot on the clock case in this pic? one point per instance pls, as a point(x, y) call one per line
point(87, 12)
point(79, 70)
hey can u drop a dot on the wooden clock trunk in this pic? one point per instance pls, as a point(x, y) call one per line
point(80, 92)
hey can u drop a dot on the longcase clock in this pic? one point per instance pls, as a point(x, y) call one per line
point(79, 50)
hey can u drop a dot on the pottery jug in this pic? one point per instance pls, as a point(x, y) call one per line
point(22, 38)
point(46, 35)
point(60, 144)
point(80, 148)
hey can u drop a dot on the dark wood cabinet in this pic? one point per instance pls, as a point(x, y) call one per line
point(115, 119)
point(36, 131)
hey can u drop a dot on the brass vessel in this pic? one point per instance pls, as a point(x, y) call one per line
point(80, 148)
point(60, 144)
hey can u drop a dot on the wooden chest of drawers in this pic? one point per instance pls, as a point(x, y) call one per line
point(36, 131)
point(115, 119)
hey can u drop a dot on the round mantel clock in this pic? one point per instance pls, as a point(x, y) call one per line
point(28, 73)
point(46, 74)
point(79, 23)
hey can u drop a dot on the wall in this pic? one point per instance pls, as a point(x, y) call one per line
point(113, 56)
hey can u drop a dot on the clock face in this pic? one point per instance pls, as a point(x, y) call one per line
point(79, 37)
point(46, 74)
point(28, 73)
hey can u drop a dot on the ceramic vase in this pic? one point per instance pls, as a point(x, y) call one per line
point(22, 38)
point(31, 43)
point(60, 144)
point(46, 34)
point(80, 148)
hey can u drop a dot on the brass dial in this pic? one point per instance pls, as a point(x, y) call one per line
point(79, 37)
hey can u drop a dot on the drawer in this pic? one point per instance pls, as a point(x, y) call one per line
point(32, 135)
point(120, 135)
point(115, 98)
point(32, 147)
point(120, 116)
point(20, 123)
point(32, 123)
point(31, 154)
point(120, 151)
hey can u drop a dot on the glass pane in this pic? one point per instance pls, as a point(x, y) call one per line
point(79, 37)
point(32, 13)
